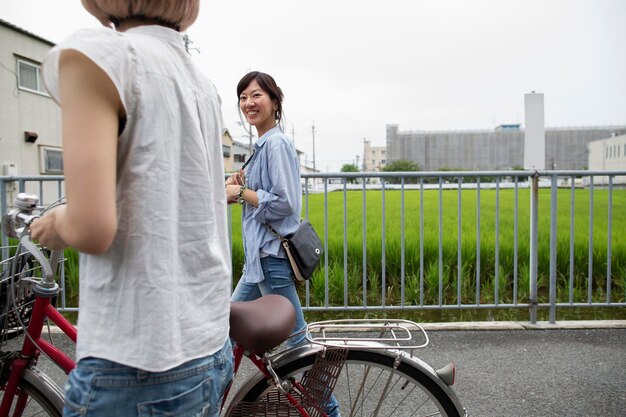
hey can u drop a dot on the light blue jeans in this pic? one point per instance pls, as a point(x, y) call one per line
point(279, 279)
point(101, 388)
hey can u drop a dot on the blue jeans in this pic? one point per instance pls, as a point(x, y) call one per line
point(101, 388)
point(278, 280)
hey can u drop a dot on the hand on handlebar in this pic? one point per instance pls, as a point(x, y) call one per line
point(233, 185)
point(236, 178)
point(44, 230)
point(232, 192)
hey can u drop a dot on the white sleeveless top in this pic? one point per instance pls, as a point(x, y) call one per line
point(159, 296)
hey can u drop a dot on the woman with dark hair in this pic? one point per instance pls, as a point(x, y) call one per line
point(269, 192)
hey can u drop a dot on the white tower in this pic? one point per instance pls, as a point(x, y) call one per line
point(535, 132)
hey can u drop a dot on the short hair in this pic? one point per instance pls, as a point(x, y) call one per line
point(177, 14)
point(267, 83)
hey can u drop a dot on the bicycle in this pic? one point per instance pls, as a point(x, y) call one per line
point(371, 372)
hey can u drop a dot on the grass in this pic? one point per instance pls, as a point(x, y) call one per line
point(477, 244)
point(404, 237)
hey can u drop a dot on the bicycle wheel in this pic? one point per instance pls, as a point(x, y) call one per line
point(367, 385)
point(41, 396)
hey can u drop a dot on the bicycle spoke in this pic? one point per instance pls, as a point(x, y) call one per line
point(368, 385)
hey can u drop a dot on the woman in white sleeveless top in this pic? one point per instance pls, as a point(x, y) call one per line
point(146, 209)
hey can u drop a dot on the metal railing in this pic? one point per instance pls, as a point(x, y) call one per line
point(49, 188)
point(586, 184)
point(440, 255)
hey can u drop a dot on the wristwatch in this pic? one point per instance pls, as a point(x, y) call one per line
point(240, 199)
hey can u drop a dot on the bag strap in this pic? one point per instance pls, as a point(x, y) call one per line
point(292, 261)
point(274, 232)
point(245, 164)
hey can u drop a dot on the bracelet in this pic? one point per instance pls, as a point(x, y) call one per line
point(240, 199)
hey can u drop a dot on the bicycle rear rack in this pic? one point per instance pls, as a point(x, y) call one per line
point(371, 334)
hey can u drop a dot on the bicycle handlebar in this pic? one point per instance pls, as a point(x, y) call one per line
point(15, 224)
point(25, 204)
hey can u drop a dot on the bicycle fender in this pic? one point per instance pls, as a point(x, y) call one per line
point(45, 385)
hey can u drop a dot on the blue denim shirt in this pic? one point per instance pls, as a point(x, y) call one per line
point(274, 173)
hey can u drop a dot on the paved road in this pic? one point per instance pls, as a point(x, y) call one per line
point(505, 369)
point(536, 372)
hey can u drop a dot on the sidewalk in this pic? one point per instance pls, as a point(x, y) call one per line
point(571, 368)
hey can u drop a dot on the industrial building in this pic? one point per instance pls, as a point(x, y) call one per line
point(608, 155)
point(374, 157)
point(566, 148)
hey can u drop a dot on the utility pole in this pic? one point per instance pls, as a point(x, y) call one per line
point(364, 155)
point(313, 133)
point(250, 139)
point(293, 134)
point(357, 162)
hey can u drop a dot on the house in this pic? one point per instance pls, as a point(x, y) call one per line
point(30, 121)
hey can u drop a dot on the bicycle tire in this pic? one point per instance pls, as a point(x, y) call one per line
point(419, 394)
point(45, 398)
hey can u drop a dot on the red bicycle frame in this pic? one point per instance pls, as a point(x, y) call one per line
point(238, 354)
point(32, 346)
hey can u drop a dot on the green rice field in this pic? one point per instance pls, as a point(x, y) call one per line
point(425, 274)
point(421, 274)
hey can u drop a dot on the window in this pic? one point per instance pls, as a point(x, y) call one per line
point(240, 157)
point(226, 151)
point(29, 77)
point(51, 160)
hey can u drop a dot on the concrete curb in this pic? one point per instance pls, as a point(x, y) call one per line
point(508, 325)
point(520, 325)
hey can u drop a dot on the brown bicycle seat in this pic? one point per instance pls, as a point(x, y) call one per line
point(262, 324)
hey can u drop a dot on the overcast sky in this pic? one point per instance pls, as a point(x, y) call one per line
point(350, 67)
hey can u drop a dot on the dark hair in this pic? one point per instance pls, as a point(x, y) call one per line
point(267, 83)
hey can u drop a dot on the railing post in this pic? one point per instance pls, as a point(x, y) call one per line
point(364, 242)
point(3, 210)
point(534, 213)
point(553, 214)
